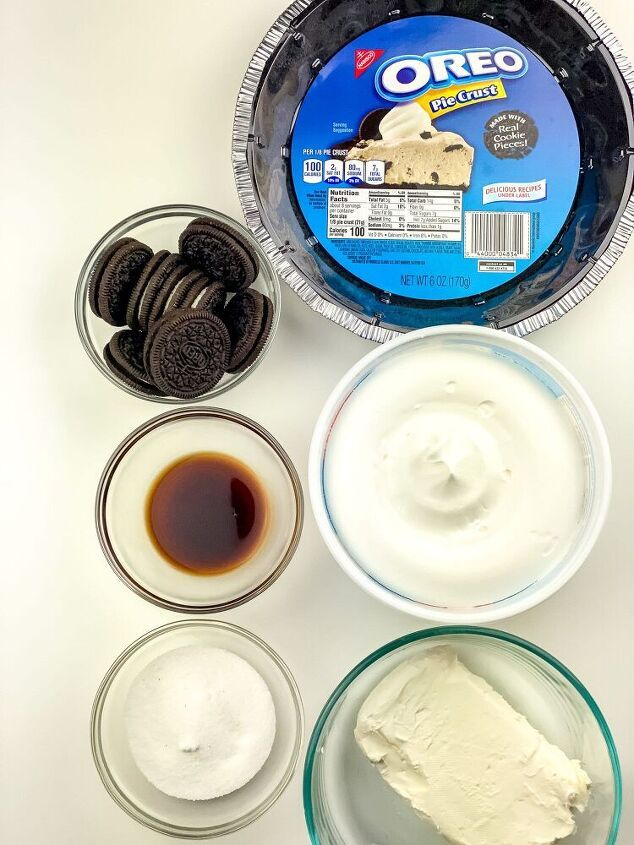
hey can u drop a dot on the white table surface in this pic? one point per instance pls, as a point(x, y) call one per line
point(108, 108)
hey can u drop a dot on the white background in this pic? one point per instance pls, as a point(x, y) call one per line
point(108, 108)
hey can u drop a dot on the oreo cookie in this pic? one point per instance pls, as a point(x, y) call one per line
point(165, 294)
point(212, 298)
point(195, 289)
point(123, 355)
point(188, 290)
point(156, 287)
point(369, 126)
point(187, 352)
point(126, 347)
point(248, 318)
point(115, 283)
point(97, 273)
point(220, 252)
point(177, 343)
point(132, 311)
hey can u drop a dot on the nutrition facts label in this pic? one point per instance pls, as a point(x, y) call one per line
point(421, 215)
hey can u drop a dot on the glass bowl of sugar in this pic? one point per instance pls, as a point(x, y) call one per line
point(154, 716)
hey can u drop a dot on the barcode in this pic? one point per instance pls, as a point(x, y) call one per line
point(497, 234)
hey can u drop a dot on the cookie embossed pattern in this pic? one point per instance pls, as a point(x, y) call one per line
point(406, 169)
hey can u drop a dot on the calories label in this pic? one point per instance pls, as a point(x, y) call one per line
point(421, 215)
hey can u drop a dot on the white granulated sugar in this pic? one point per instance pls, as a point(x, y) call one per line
point(200, 722)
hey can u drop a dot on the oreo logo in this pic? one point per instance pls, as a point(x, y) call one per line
point(407, 77)
point(193, 356)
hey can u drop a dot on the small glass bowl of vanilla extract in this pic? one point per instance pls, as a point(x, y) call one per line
point(199, 510)
point(207, 513)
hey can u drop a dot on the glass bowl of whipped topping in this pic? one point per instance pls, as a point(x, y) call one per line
point(196, 729)
point(459, 474)
point(465, 735)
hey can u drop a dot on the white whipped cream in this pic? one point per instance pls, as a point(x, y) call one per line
point(454, 476)
point(447, 742)
point(403, 122)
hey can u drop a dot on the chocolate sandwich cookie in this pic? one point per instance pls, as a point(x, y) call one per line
point(187, 352)
point(97, 273)
point(123, 355)
point(132, 311)
point(219, 251)
point(369, 127)
point(248, 318)
point(156, 287)
point(194, 290)
point(212, 298)
point(187, 290)
point(118, 278)
point(166, 293)
point(126, 347)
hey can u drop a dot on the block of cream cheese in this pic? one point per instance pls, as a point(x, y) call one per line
point(453, 747)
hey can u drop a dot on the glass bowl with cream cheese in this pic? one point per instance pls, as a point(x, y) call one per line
point(195, 709)
point(459, 474)
point(426, 717)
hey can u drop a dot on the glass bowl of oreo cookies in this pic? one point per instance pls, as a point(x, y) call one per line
point(177, 303)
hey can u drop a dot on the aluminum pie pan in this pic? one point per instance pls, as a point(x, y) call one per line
point(533, 303)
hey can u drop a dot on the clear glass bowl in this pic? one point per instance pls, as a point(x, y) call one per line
point(537, 685)
point(160, 228)
point(174, 816)
point(129, 476)
point(593, 442)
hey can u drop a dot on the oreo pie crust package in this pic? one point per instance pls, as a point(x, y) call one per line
point(409, 164)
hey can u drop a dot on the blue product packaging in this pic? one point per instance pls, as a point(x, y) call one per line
point(413, 164)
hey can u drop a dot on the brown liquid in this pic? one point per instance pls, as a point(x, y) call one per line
point(207, 513)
